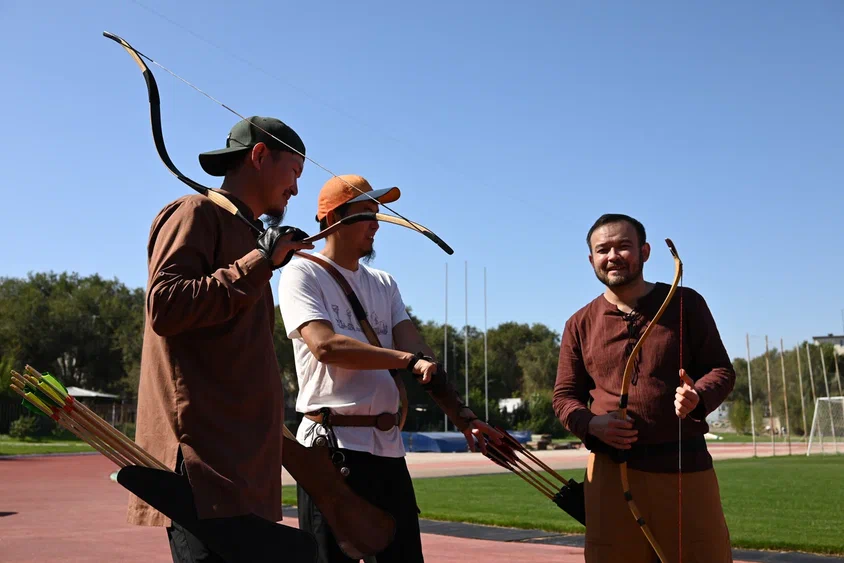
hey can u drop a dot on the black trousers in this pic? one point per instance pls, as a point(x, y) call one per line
point(286, 542)
point(386, 483)
point(290, 546)
point(184, 546)
point(187, 548)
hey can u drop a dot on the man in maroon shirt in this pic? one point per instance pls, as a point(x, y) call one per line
point(596, 343)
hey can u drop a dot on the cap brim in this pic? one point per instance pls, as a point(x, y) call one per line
point(217, 162)
point(387, 195)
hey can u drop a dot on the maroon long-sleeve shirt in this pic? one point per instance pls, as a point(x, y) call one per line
point(210, 383)
point(596, 343)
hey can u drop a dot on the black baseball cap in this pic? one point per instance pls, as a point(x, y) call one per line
point(246, 134)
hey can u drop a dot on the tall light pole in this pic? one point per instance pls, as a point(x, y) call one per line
point(445, 341)
point(750, 391)
point(486, 373)
point(466, 330)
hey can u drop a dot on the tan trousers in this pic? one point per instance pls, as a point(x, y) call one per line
point(612, 533)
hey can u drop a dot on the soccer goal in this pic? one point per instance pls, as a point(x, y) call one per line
point(827, 436)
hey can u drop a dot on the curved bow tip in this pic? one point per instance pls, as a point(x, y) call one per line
point(116, 38)
point(416, 227)
point(672, 248)
point(439, 242)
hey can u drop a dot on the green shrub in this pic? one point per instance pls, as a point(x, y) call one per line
point(537, 415)
point(24, 427)
point(62, 433)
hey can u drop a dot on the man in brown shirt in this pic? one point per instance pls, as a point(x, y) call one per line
point(596, 343)
point(210, 400)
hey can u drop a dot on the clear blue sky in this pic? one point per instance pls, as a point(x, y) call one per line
point(509, 127)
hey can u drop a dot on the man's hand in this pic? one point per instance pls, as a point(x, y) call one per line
point(481, 430)
point(426, 369)
point(277, 244)
point(686, 398)
point(613, 431)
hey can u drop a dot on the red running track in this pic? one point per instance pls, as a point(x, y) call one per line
point(66, 508)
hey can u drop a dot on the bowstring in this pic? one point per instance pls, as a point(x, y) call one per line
point(680, 446)
point(218, 102)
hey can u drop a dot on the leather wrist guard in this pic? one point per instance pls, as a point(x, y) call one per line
point(267, 241)
point(445, 395)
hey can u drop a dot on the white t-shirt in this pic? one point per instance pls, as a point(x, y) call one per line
point(308, 292)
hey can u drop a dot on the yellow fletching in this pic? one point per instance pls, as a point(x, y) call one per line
point(49, 391)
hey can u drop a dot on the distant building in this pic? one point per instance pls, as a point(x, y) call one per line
point(720, 417)
point(836, 341)
point(509, 405)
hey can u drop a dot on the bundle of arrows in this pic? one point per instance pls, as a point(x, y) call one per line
point(44, 394)
point(566, 493)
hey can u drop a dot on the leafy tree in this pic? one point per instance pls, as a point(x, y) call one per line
point(538, 362)
point(85, 330)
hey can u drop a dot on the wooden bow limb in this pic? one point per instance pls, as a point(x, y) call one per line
point(369, 216)
point(417, 227)
point(623, 397)
point(214, 195)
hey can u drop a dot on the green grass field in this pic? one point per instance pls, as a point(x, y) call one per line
point(784, 503)
point(791, 504)
point(46, 445)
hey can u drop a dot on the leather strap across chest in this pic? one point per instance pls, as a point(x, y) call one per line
point(360, 314)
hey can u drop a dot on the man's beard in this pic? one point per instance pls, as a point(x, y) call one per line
point(274, 220)
point(619, 281)
point(369, 256)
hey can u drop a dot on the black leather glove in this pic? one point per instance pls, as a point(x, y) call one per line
point(268, 240)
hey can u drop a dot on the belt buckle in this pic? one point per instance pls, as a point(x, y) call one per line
point(385, 421)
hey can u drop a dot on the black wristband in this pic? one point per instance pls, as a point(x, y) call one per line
point(413, 361)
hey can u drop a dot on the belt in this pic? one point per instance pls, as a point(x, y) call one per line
point(384, 421)
point(695, 444)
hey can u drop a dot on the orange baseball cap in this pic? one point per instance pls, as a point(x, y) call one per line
point(335, 192)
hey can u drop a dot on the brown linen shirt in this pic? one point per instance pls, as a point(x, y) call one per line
point(596, 342)
point(210, 382)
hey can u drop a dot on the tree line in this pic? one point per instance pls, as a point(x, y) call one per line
point(88, 331)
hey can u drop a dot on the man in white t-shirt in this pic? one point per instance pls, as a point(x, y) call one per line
point(346, 389)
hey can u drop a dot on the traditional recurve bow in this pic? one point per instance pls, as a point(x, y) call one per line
point(219, 198)
point(622, 403)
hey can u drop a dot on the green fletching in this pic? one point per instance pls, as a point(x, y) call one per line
point(37, 397)
point(51, 383)
point(31, 408)
point(54, 383)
